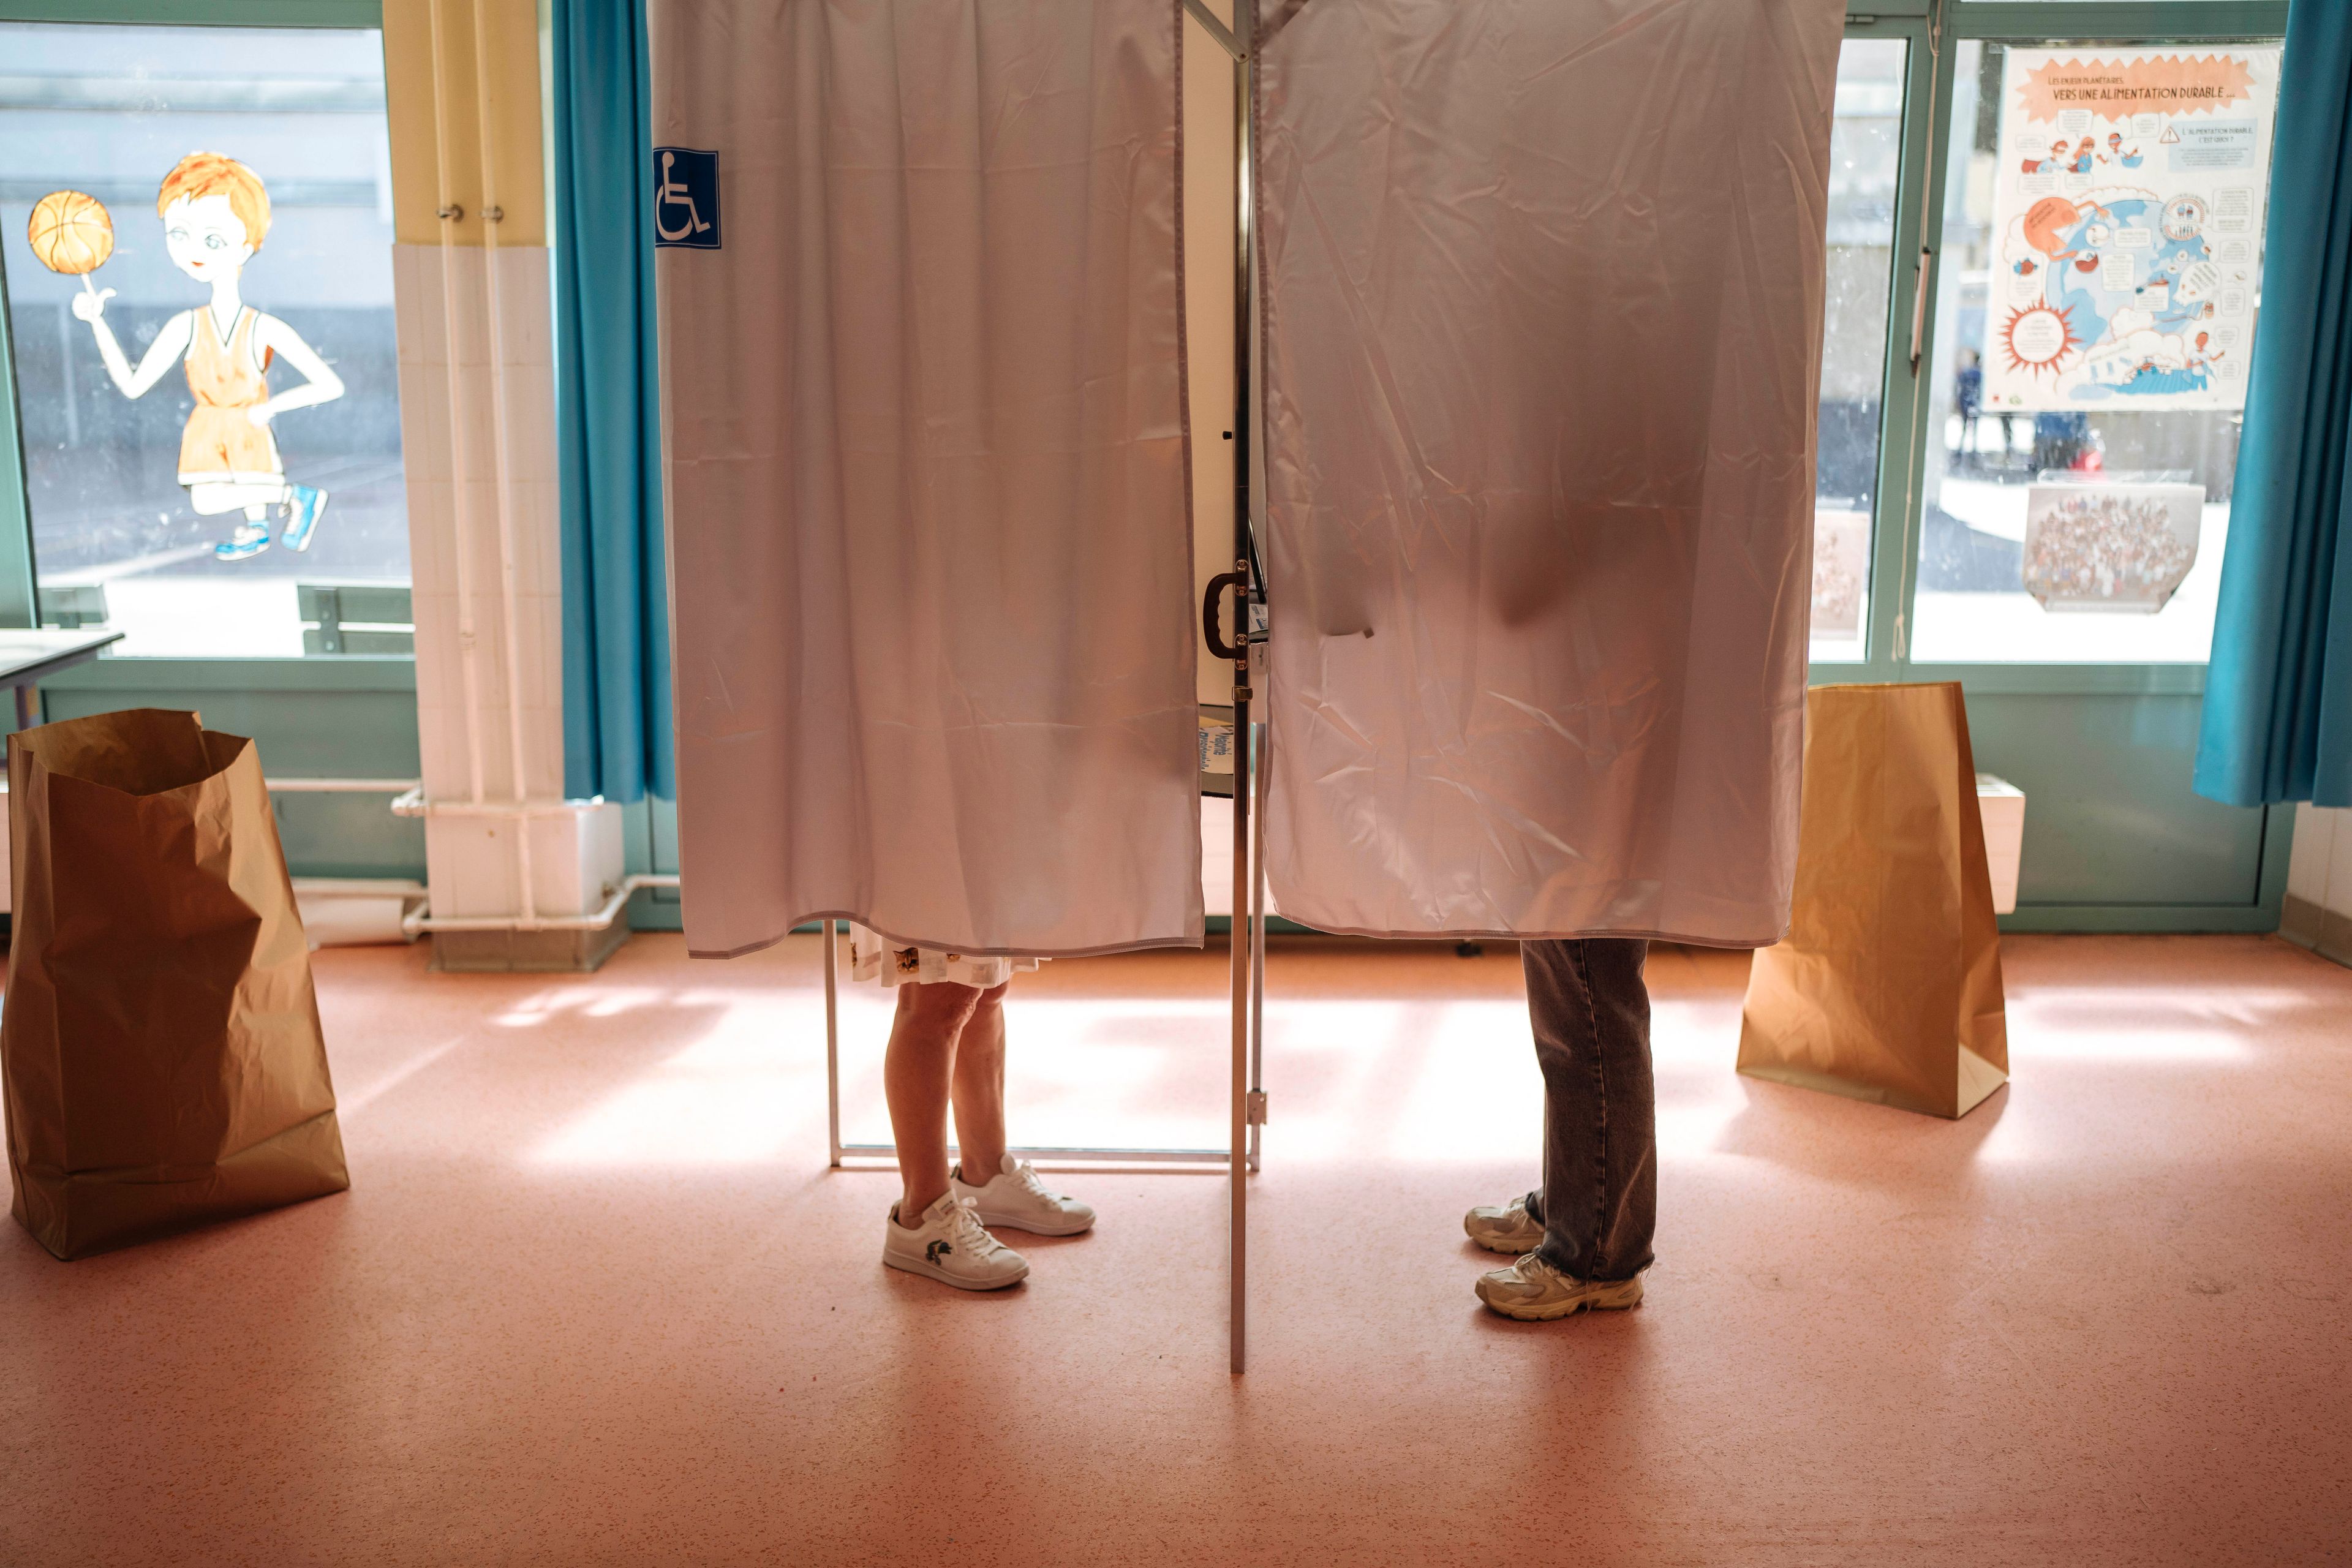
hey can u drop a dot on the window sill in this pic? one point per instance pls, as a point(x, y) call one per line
point(342, 672)
point(2029, 680)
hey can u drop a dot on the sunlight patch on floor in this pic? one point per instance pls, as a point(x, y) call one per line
point(1133, 1073)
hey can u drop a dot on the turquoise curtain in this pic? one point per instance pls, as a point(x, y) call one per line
point(616, 689)
point(2278, 698)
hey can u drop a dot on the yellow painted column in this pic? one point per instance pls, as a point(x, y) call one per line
point(462, 88)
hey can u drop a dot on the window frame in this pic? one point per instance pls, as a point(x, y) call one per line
point(356, 716)
point(1929, 27)
point(129, 677)
point(1935, 28)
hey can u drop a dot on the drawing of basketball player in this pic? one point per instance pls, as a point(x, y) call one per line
point(216, 214)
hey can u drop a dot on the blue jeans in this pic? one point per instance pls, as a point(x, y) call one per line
point(1589, 1009)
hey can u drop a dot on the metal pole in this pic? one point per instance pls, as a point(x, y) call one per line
point(1246, 36)
point(1240, 945)
point(1262, 757)
point(832, 1045)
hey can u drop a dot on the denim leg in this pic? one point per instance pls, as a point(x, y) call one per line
point(1590, 1010)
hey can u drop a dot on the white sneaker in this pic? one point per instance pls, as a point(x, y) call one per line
point(1017, 1200)
point(1509, 1228)
point(1534, 1291)
point(950, 1247)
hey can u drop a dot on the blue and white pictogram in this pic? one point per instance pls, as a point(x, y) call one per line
point(686, 197)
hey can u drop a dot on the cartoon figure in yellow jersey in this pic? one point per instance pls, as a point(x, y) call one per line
point(215, 215)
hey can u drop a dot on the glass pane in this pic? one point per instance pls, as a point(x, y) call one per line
point(196, 226)
point(1865, 150)
point(2102, 256)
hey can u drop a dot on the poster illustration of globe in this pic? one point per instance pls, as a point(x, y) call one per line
point(2127, 224)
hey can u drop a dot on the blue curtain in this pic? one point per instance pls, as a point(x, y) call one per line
point(616, 689)
point(2278, 698)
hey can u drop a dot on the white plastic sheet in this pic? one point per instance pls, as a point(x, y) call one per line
point(930, 558)
point(1542, 323)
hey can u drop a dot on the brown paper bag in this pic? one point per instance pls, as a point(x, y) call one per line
point(1888, 985)
point(160, 1042)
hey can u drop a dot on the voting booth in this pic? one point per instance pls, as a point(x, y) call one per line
point(1525, 345)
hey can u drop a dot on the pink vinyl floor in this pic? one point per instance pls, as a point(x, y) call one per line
point(594, 1296)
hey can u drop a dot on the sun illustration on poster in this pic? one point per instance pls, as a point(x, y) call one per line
point(2038, 338)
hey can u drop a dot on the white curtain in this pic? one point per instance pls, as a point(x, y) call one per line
point(1542, 324)
point(925, 455)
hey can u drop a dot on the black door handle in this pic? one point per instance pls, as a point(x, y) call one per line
point(1210, 605)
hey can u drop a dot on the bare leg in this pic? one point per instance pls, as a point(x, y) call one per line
point(917, 1070)
point(980, 1090)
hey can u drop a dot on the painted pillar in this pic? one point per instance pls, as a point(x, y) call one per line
point(471, 283)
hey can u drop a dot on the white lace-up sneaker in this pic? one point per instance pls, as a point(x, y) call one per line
point(950, 1247)
point(1534, 1291)
point(1017, 1200)
point(1509, 1228)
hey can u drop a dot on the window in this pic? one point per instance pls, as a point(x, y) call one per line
point(1865, 151)
point(207, 390)
point(2101, 271)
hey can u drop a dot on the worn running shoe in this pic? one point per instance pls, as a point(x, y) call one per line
point(1510, 1229)
point(1534, 1291)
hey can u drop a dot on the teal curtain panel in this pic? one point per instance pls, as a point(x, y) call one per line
point(2278, 696)
point(616, 681)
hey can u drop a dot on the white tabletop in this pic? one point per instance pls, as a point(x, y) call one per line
point(26, 653)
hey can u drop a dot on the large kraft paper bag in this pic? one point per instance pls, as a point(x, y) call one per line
point(1887, 987)
point(160, 1042)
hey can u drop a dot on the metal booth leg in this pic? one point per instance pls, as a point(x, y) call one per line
point(832, 1044)
point(1244, 48)
point(839, 1150)
point(1261, 753)
point(1241, 946)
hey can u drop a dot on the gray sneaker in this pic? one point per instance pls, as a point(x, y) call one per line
point(1534, 1291)
point(1509, 1228)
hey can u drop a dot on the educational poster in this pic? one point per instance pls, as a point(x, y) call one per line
point(2128, 228)
point(2110, 546)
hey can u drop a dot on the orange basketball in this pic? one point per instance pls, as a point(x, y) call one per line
point(70, 233)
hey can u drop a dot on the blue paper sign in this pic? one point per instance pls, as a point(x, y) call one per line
point(686, 197)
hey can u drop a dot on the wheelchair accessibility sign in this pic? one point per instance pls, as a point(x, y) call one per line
point(686, 199)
